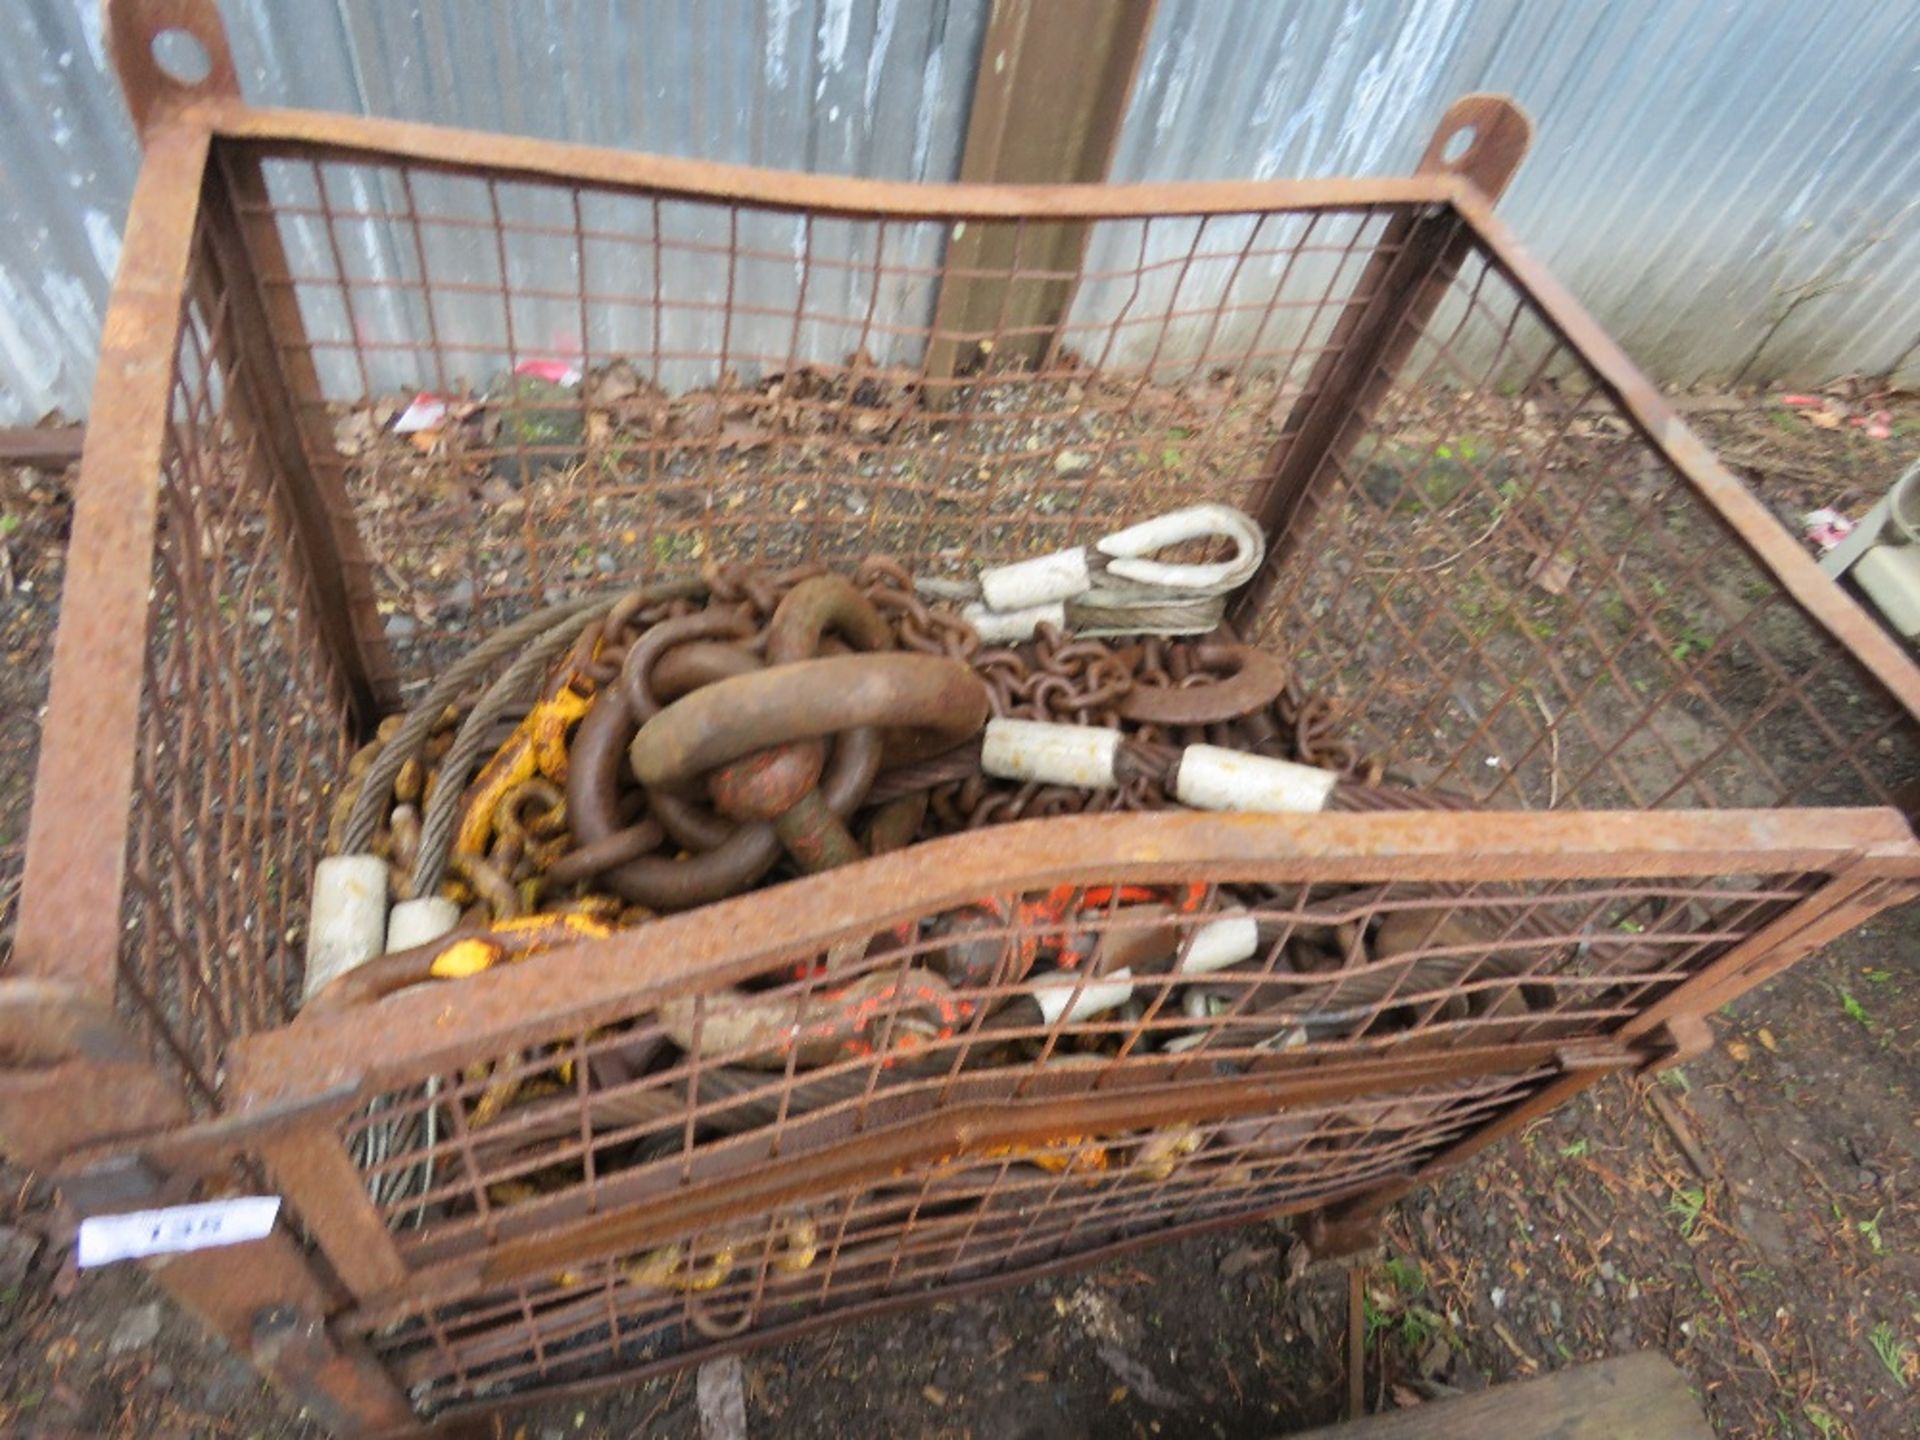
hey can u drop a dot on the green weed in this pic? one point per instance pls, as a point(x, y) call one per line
point(1690, 643)
point(1377, 1319)
point(1687, 1205)
point(1871, 1229)
point(1405, 1275)
point(1892, 1353)
point(1416, 1328)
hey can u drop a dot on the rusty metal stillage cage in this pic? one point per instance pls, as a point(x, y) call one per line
point(1673, 755)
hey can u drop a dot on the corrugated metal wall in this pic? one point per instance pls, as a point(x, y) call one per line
point(1704, 171)
point(855, 87)
point(1698, 165)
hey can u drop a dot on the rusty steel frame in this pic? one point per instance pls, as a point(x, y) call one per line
point(52, 447)
point(415, 1033)
point(81, 1097)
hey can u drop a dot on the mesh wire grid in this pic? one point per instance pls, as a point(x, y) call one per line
point(242, 730)
point(962, 1219)
point(1093, 988)
point(1508, 587)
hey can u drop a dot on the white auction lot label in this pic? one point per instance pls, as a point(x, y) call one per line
point(178, 1228)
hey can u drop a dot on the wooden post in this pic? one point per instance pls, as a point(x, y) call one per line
point(1055, 78)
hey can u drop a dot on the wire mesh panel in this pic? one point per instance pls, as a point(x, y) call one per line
point(969, 1217)
point(760, 386)
point(1517, 595)
point(1015, 996)
point(242, 730)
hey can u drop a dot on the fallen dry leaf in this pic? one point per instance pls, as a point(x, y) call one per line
point(354, 433)
point(1552, 573)
point(616, 382)
point(1244, 1257)
point(737, 435)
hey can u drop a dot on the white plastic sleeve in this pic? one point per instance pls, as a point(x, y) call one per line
point(1026, 583)
point(1218, 944)
point(1080, 755)
point(1010, 627)
point(421, 921)
point(1212, 778)
point(347, 921)
point(1056, 997)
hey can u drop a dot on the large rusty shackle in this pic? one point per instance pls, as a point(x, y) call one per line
point(670, 659)
point(775, 782)
point(759, 732)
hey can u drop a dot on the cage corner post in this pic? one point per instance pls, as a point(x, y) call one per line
point(77, 1082)
point(278, 399)
point(282, 404)
point(1480, 141)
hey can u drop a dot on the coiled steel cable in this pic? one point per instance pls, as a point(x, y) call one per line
point(442, 811)
point(364, 817)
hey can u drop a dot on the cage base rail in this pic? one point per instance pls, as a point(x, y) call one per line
point(264, 1298)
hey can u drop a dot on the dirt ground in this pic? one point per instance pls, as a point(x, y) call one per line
point(1756, 1216)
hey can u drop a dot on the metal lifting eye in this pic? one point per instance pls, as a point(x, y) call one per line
point(181, 56)
point(1458, 144)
